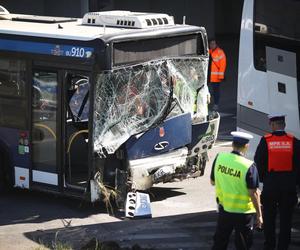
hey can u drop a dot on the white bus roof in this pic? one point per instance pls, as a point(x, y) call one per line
point(79, 29)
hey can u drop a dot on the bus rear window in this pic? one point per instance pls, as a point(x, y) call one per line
point(131, 52)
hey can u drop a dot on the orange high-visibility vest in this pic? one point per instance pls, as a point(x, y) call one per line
point(280, 152)
point(218, 65)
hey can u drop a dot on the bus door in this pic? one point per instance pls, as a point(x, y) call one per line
point(76, 103)
point(46, 132)
point(60, 110)
point(282, 85)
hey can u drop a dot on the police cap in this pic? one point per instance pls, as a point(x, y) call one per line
point(276, 117)
point(241, 137)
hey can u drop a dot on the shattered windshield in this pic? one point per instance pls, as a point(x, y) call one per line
point(188, 78)
point(132, 99)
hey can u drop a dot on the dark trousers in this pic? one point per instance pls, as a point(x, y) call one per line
point(241, 223)
point(283, 203)
point(214, 88)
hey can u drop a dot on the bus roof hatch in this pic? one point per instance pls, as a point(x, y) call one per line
point(127, 19)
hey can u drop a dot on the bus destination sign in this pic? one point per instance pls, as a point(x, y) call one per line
point(46, 48)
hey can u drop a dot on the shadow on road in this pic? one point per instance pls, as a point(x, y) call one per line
point(162, 193)
point(185, 231)
point(158, 233)
point(20, 206)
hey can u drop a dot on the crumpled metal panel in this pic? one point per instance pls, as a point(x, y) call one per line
point(130, 100)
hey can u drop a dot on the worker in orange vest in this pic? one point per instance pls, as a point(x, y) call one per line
point(278, 162)
point(216, 71)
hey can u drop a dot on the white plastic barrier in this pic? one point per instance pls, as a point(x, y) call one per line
point(138, 205)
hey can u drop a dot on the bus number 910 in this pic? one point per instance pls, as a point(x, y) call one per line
point(76, 52)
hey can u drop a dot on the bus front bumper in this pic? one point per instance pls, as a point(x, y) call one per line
point(148, 171)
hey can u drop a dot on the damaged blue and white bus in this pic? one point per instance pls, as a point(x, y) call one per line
point(116, 99)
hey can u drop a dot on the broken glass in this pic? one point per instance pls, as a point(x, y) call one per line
point(189, 76)
point(130, 100)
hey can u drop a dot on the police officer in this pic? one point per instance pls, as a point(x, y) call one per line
point(236, 181)
point(277, 159)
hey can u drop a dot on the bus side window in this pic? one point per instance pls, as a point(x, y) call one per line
point(78, 99)
point(13, 113)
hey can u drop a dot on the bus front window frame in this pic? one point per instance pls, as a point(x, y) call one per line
point(113, 125)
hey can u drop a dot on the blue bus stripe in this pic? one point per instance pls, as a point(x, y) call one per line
point(46, 48)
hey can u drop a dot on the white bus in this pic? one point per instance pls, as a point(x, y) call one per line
point(269, 71)
point(114, 99)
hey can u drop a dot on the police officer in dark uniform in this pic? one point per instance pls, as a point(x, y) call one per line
point(236, 181)
point(277, 159)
